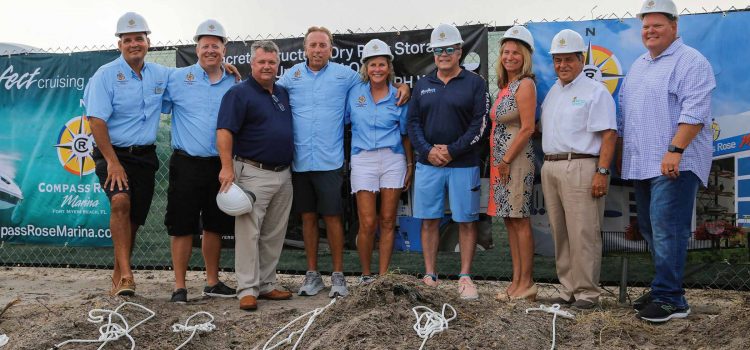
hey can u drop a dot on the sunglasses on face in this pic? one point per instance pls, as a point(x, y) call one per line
point(448, 50)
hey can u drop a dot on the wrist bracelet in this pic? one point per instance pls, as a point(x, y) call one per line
point(503, 160)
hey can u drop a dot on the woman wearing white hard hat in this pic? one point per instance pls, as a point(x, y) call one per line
point(381, 159)
point(512, 156)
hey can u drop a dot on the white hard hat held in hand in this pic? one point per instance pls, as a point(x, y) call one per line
point(376, 47)
point(567, 41)
point(445, 35)
point(210, 27)
point(658, 6)
point(521, 34)
point(131, 22)
point(235, 201)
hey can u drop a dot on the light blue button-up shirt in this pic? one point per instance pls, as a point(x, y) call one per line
point(318, 101)
point(194, 103)
point(658, 94)
point(130, 106)
point(375, 124)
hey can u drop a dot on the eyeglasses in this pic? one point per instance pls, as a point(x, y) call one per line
point(278, 103)
point(448, 50)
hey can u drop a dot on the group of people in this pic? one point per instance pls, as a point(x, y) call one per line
point(658, 137)
point(282, 143)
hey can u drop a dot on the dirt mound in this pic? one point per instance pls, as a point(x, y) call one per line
point(54, 304)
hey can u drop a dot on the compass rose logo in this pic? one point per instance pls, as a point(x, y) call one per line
point(75, 145)
point(603, 66)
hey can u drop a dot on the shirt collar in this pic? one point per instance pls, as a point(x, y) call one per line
point(391, 92)
point(255, 85)
point(126, 67)
point(674, 46)
point(320, 71)
point(572, 83)
point(224, 75)
point(461, 74)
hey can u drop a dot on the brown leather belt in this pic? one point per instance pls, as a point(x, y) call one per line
point(567, 156)
point(259, 165)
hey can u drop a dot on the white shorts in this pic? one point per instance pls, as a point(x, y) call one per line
point(376, 169)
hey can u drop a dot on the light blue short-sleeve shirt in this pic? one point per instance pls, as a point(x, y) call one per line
point(194, 103)
point(375, 124)
point(318, 101)
point(130, 106)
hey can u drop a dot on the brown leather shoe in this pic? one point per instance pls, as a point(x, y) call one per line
point(126, 287)
point(248, 302)
point(276, 295)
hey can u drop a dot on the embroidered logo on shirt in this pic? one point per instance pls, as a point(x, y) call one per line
point(427, 91)
point(158, 90)
point(120, 76)
point(297, 74)
point(190, 78)
point(578, 102)
point(361, 101)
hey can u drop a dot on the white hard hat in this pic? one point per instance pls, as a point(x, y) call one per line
point(445, 35)
point(519, 33)
point(376, 47)
point(658, 6)
point(131, 22)
point(210, 27)
point(235, 201)
point(567, 41)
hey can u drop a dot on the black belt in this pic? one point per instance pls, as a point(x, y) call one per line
point(260, 165)
point(567, 156)
point(185, 154)
point(137, 150)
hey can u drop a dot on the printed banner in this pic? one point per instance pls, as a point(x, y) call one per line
point(614, 45)
point(412, 56)
point(49, 193)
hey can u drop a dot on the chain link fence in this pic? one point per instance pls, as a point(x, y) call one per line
point(726, 268)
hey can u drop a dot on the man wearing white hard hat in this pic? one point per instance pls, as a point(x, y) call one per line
point(193, 97)
point(665, 111)
point(318, 89)
point(446, 122)
point(123, 102)
point(578, 139)
point(254, 139)
point(381, 158)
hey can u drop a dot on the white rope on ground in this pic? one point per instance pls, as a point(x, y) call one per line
point(288, 340)
point(3, 340)
point(111, 331)
point(554, 309)
point(207, 326)
point(430, 322)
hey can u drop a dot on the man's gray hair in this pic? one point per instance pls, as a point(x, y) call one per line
point(265, 45)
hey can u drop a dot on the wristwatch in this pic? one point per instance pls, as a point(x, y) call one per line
point(603, 171)
point(675, 149)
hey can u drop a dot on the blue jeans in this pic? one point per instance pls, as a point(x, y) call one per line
point(665, 214)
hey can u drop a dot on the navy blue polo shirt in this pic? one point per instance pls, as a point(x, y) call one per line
point(453, 114)
point(260, 122)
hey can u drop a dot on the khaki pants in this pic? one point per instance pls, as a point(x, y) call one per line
point(259, 235)
point(576, 220)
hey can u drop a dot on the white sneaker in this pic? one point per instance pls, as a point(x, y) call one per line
point(312, 285)
point(338, 285)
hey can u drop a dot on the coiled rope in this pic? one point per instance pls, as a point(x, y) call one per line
point(430, 322)
point(554, 309)
point(207, 326)
point(301, 332)
point(115, 328)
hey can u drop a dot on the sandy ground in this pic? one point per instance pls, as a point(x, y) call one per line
point(44, 307)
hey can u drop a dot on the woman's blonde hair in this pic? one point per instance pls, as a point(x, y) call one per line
point(526, 70)
point(363, 69)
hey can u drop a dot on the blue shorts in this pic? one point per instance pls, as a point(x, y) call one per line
point(463, 187)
